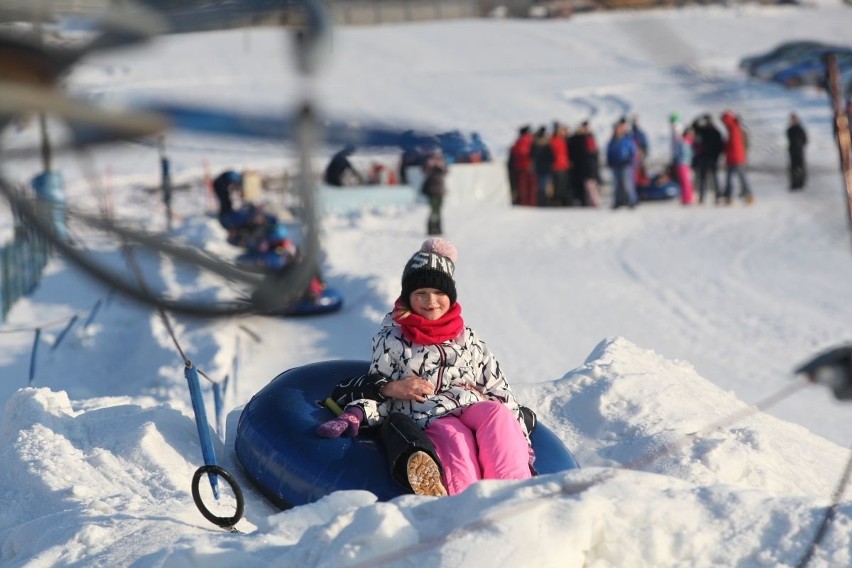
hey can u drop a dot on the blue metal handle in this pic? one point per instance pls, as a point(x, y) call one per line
point(207, 450)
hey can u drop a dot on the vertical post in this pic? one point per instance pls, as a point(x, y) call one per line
point(50, 192)
point(46, 154)
point(166, 181)
point(48, 184)
point(92, 314)
point(841, 127)
point(33, 355)
point(217, 408)
point(207, 449)
point(236, 362)
point(64, 332)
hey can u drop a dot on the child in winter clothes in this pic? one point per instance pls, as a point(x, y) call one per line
point(683, 166)
point(434, 188)
point(443, 376)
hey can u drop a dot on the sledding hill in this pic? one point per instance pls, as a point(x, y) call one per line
point(632, 333)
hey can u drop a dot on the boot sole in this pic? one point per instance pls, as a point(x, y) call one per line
point(424, 475)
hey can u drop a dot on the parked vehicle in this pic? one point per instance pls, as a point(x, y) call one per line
point(777, 53)
point(767, 69)
point(800, 62)
point(811, 70)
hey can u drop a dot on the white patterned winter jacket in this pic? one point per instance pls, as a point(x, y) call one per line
point(463, 371)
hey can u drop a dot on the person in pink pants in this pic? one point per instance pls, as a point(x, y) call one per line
point(683, 166)
point(437, 371)
point(484, 441)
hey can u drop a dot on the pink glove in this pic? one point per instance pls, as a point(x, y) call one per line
point(349, 422)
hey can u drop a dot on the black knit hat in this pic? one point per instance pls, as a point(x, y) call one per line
point(432, 266)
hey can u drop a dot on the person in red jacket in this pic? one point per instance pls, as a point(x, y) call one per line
point(735, 158)
point(521, 169)
point(561, 164)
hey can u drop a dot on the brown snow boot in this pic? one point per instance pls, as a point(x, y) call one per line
point(424, 475)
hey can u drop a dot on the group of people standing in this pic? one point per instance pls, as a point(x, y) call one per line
point(709, 144)
point(555, 168)
point(695, 154)
point(561, 169)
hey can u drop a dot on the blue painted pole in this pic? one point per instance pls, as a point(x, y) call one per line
point(207, 449)
point(64, 332)
point(236, 363)
point(50, 191)
point(166, 182)
point(217, 405)
point(92, 313)
point(33, 355)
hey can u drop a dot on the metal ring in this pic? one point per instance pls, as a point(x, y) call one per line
point(225, 522)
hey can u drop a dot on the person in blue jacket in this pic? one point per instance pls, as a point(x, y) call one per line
point(620, 157)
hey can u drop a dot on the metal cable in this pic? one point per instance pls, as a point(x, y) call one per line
point(829, 513)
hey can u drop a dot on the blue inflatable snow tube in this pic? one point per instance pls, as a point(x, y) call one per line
point(277, 445)
point(262, 261)
point(329, 301)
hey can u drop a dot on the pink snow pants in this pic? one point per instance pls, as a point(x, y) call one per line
point(684, 178)
point(484, 441)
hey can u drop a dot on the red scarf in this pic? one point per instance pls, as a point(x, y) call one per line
point(418, 329)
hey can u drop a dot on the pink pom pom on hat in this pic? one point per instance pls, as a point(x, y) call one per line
point(433, 266)
point(441, 247)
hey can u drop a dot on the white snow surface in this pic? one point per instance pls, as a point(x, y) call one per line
point(646, 340)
